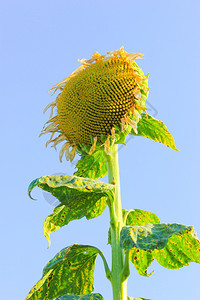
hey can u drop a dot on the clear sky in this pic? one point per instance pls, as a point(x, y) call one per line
point(40, 44)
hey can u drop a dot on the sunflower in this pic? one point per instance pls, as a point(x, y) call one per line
point(105, 94)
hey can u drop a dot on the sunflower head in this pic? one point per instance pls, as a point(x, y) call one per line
point(102, 97)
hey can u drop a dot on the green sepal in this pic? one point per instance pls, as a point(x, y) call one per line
point(70, 271)
point(92, 165)
point(81, 297)
point(155, 130)
point(150, 236)
point(120, 136)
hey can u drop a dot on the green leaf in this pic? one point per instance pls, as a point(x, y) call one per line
point(180, 251)
point(155, 130)
point(66, 188)
point(139, 217)
point(140, 259)
point(70, 271)
point(150, 236)
point(79, 197)
point(63, 214)
point(92, 166)
point(131, 298)
point(81, 297)
point(136, 217)
point(55, 221)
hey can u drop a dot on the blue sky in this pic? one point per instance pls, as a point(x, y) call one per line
point(40, 44)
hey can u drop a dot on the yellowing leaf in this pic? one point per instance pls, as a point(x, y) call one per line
point(181, 248)
point(150, 236)
point(155, 130)
point(81, 297)
point(92, 166)
point(140, 259)
point(131, 298)
point(79, 197)
point(70, 271)
point(180, 251)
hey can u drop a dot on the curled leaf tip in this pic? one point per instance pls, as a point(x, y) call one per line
point(49, 241)
point(31, 196)
point(31, 187)
point(47, 237)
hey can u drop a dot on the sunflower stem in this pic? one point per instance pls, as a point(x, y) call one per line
point(120, 266)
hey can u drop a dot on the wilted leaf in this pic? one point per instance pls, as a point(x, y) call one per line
point(70, 271)
point(150, 236)
point(92, 166)
point(81, 297)
point(79, 197)
point(155, 130)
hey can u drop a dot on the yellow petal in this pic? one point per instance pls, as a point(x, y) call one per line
point(92, 149)
point(107, 145)
point(113, 135)
point(132, 123)
point(63, 149)
point(72, 153)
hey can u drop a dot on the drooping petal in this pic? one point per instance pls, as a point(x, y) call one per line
point(92, 149)
point(107, 145)
point(72, 153)
point(105, 93)
point(63, 149)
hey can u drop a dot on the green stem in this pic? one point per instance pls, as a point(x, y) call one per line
point(120, 268)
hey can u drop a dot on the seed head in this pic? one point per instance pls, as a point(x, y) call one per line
point(105, 92)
